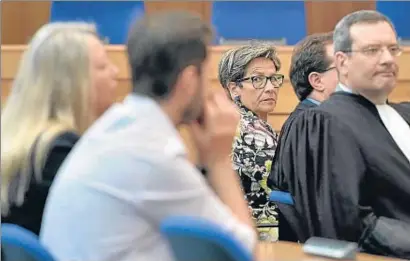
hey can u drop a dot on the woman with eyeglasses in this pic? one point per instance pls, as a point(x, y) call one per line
point(249, 74)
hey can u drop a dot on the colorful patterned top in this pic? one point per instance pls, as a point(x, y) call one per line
point(253, 150)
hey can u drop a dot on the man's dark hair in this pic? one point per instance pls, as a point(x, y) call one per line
point(341, 35)
point(161, 46)
point(308, 56)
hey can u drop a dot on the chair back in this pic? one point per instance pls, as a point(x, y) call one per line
point(287, 215)
point(281, 197)
point(20, 244)
point(196, 239)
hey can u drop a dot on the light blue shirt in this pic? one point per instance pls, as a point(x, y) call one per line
point(313, 101)
point(127, 173)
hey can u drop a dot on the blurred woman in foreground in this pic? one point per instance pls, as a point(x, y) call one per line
point(65, 81)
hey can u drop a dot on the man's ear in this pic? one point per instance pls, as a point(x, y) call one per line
point(234, 90)
point(186, 79)
point(341, 62)
point(316, 81)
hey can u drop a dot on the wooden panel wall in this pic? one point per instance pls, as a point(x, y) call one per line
point(322, 16)
point(21, 19)
point(202, 8)
point(10, 58)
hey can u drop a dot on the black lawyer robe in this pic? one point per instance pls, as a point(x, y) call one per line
point(301, 107)
point(286, 232)
point(406, 105)
point(348, 177)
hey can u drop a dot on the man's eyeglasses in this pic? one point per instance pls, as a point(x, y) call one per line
point(328, 69)
point(376, 51)
point(260, 81)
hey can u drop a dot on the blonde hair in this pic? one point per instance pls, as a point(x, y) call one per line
point(50, 95)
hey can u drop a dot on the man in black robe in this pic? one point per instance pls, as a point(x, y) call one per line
point(312, 72)
point(406, 104)
point(314, 78)
point(347, 162)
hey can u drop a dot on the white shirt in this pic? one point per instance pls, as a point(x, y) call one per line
point(342, 87)
point(394, 123)
point(397, 127)
point(127, 173)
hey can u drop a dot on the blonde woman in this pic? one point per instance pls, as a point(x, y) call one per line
point(64, 82)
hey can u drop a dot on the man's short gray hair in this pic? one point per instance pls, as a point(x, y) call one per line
point(341, 35)
point(234, 62)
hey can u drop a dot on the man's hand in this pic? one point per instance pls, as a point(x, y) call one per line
point(214, 135)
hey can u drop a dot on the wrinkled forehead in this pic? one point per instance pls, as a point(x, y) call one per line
point(366, 34)
point(261, 65)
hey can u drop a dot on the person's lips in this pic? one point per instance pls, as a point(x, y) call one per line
point(269, 99)
point(387, 73)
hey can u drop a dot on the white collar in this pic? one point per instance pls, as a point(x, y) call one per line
point(343, 88)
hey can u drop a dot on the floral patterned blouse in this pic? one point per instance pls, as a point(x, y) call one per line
point(253, 150)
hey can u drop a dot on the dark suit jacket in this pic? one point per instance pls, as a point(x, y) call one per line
point(29, 215)
point(406, 105)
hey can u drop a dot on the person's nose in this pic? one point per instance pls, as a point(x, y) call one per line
point(269, 86)
point(386, 56)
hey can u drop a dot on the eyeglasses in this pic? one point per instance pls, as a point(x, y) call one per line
point(328, 69)
point(376, 51)
point(260, 81)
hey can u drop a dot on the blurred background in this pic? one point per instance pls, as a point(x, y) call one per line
point(283, 22)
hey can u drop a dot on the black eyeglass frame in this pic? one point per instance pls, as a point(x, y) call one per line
point(394, 50)
point(328, 69)
point(273, 78)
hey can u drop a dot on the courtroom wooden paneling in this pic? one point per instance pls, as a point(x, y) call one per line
point(322, 16)
point(21, 19)
point(202, 8)
point(10, 57)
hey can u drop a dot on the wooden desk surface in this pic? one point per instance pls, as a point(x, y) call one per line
point(287, 251)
